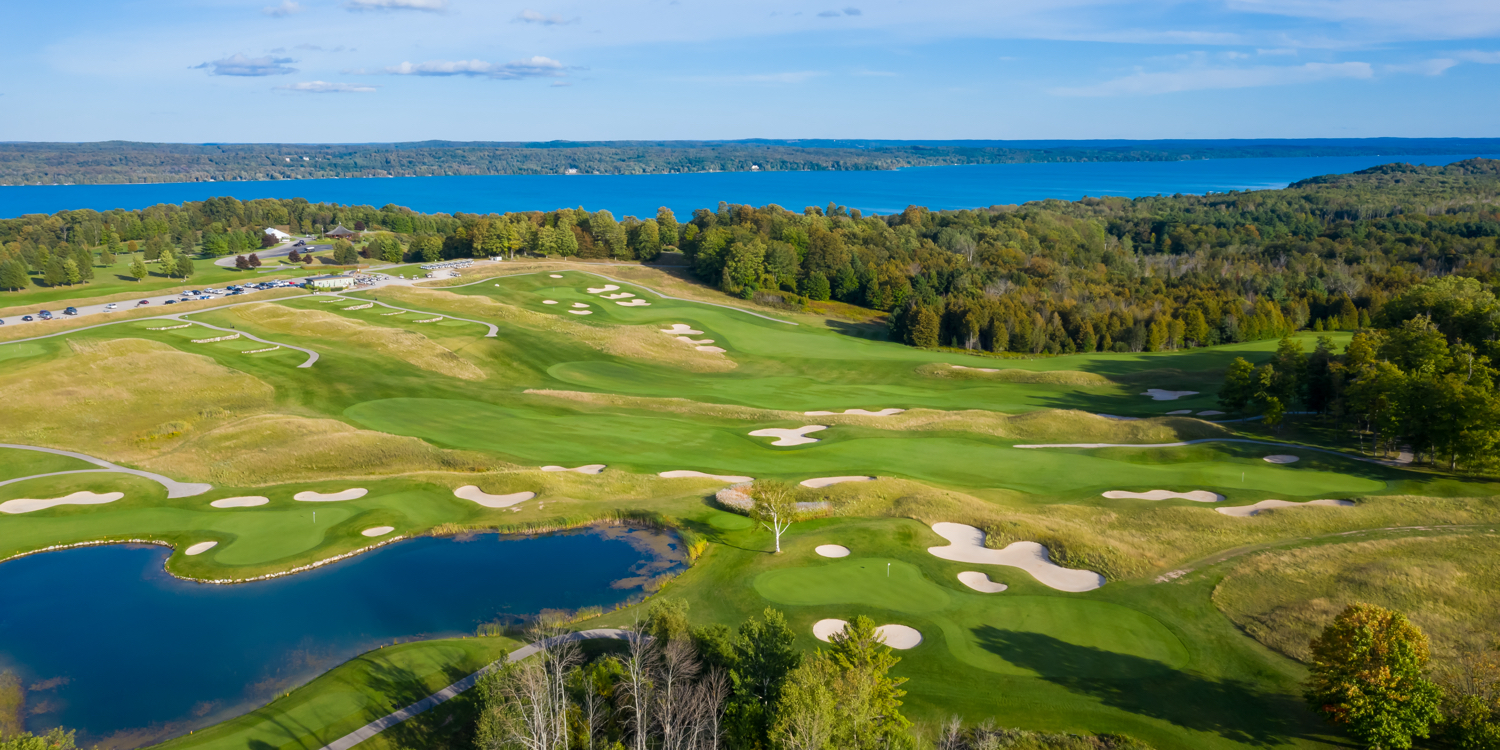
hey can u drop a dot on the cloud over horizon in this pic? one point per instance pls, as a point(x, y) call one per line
point(426, 6)
point(250, 67)
point(534, 67)
point(324, 87)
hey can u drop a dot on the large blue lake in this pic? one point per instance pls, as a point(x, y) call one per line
point(112, 646)
point(640, 195)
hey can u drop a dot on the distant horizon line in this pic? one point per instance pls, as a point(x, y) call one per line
point(1025, 143)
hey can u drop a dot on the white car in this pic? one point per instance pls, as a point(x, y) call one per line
point(111, 306)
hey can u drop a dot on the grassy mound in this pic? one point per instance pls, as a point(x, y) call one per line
point(1448, 584)
point(397, 343)
point(1014, 375)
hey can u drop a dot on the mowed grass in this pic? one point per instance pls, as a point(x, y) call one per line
point(16, 463)
point(351, 695)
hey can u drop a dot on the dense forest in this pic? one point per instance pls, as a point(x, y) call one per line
point(128, 162)
point(1052, 277)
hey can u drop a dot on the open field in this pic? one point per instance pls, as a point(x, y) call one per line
point(410, 406)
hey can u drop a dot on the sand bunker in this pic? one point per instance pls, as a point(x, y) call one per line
point(549, 301)
point(966, 544)
point(1118, 418)
point(689, 340)
point(1179, 412)
point(582, 312)
point(199, 548)
point(77, 498)
point(688, 474)
point(603, 289)
point(555, 275)
point(796, 436)
point(378, 530)
point(681, 328)
point(818, 482)
point(980, 582)
point(1158, 394)
point(585, 469)
point(580, 304)
point(709, 349)
point(621, 295)
point(634, 303)
point(1211, 413)
point(832, 550)
point(1246, 511)
point(249, 501)
point(899, 637)
point(855, 413)
point(1281, 458)
point(470, 492)
point(1197, 496)
point(318, 497)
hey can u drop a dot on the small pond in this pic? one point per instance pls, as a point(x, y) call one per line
point(109, 644)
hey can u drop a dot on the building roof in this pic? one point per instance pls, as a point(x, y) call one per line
point(330, 277)
point(339, 231)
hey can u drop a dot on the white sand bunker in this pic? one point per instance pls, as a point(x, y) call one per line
point(796, 436)
point(681, 328)
point(603, 289)
point(1281, 458)
point(899, 637)
point(199, 548)
point(689, 474)
point(832, 550)
point(470, 492)
point(1118, 418)
point(818, 482)
point(24, 505)
point(1197, 496)
point(621, 295)
point(549, 301)
point(1179, 412)
point(555, 275)
point(855, 413)
point(1246, 511)
point(966, 544)
point(585, 469)
point(634, 303)
point(378, 530)
point(1211, 413)
point(709, 349)
point(976, 369)
point(318, 497)
point(690, 340)
point(580, 304)
point(1158, 394)
point(980, 582)
point(249, 501)
point(582, 312)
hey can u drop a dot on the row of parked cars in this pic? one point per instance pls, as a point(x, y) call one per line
point(186, 296)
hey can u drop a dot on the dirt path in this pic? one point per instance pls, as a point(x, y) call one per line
point(175, 488)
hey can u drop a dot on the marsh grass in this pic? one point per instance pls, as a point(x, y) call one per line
point(1448, 584)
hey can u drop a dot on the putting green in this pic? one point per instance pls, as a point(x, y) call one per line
point(863, 581)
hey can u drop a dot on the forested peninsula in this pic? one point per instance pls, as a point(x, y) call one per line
point(116, 162)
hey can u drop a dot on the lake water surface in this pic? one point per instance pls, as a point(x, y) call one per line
point(114, 647)
point(640, 195)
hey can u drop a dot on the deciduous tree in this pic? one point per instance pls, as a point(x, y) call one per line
point(1366, 675)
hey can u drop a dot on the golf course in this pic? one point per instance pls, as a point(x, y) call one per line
point(1089, 500)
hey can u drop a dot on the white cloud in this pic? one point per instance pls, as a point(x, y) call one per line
point(1476, 56)
point(428, 6)
point(239, 65)
point(1405, 19)
point(1142, 83)
point(531, 16)
point(1434, 67)
point(534, 67)
point(286, 8)
point(324, 87)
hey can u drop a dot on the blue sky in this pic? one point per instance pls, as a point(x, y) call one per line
point(402, 70)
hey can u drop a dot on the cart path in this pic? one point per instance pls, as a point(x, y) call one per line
point(396, 717)
point(175, 489)
point(1401, 462)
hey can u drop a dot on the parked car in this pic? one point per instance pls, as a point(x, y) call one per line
point(204, 296)
point(70, 311)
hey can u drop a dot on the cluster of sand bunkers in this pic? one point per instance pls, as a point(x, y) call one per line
point(623, 299)
point(683, 332)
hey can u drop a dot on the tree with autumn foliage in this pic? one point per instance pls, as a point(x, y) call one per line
point(1367, 677)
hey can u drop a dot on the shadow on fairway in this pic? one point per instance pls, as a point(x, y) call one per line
point(1233, 709)
point(404, 688)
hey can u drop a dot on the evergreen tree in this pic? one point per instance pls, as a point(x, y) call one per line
point(13, 277)
point(815, 286)
point(70, 271)
point(666, 226)
point(137, 268)
point(765, 653)
point(184, 267)
point(1239, 386)
point(924, 332)
point(85, 263)
point(870, 698)
point(56, 275)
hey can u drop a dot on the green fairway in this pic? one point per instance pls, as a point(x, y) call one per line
point(22, 463)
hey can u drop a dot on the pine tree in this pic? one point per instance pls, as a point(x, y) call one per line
point(137, 268)
point(85, 263)
point(70, 271)
point(1239, 385)
point(924, 332)
point(55, 274)
point(13, 276)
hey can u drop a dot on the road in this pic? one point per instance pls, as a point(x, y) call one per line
point(153, 302)
point(280, 251)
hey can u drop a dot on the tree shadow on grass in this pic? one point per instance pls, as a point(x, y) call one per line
point(1233, 709)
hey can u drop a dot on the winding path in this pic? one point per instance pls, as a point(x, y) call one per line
point(396, 717)
point(175, 489)
point(1400, 463)
point(493, 332)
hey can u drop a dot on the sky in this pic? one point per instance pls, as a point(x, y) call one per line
point(356, 71)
